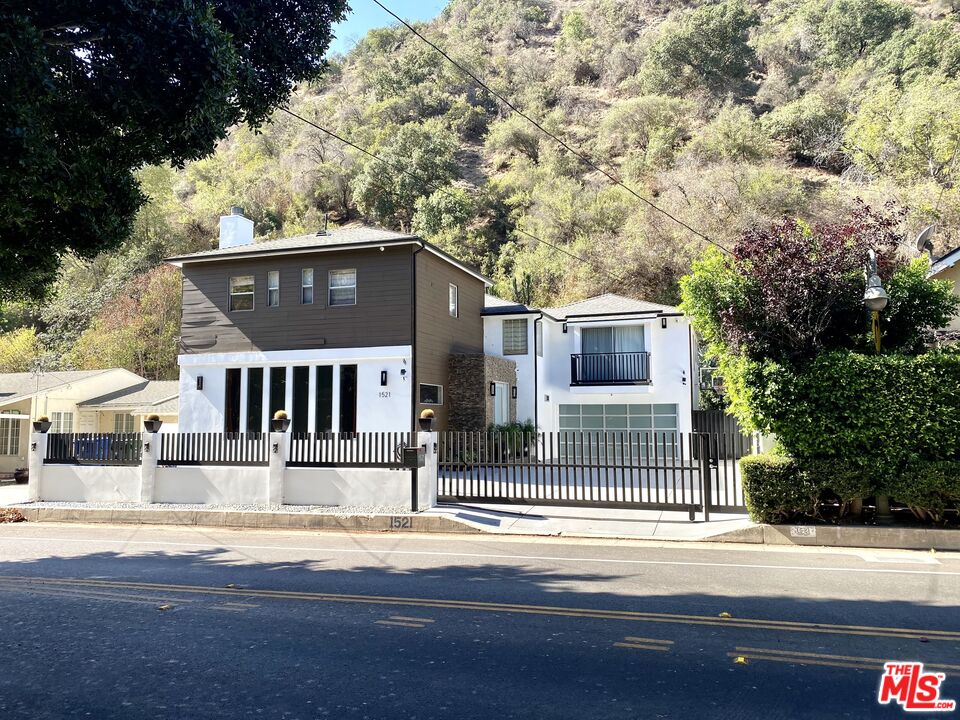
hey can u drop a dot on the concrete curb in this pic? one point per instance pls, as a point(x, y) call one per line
point(262, 520)
point(845, 536)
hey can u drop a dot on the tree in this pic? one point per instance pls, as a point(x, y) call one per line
point(419, 158)
point(708, 47)
point(19, 350)
point(96, 90)
point(734, 134)
point(850, 28)
point(137, 330)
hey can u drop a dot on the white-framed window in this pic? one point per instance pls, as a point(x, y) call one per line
point(343, 287)
point(273, 288)
point(123, 423)
point(431, 394)
point(306, 286)
point(454, 301)
point(515, 336)
point(10, 434)
point(241, 293)
point(61, 422)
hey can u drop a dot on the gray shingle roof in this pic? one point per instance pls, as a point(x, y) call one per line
point(16, 385)
point(493, 305)
point(607, 304)
point(356, 235)
point(147, 394)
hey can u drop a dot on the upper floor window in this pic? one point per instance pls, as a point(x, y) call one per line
point(123, 423)
point(273, 288)
point(454, 301)
point(515, 337)
point(608, 340)
point(241, 293)
point(343, 287)
point(306, 286)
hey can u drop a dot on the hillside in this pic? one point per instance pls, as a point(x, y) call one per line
point(726, 115)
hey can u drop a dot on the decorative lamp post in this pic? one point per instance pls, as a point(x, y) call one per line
point(875, 298)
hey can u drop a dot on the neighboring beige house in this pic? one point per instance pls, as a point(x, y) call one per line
point(113, 400)
point(948, 268)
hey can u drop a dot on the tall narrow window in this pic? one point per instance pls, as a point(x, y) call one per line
point(306, 286)
point(278, 389)
point(515, 337)
point(255, 400)
point(454, 301)
point(10, 434)
point(324, 390)
point(231, 405)
point(273, 288)
point(301, 398)
point(123, 423)
point(241, 293)
point(348, 398)
point(343, 287)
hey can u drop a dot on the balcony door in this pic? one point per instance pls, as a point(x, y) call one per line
point(609, 354)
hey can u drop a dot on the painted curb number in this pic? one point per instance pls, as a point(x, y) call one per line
point(803, 531)
point(401, 522)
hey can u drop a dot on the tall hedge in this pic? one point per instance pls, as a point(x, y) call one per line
point(879, 414)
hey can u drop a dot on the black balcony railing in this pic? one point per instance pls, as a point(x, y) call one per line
point(627, 368)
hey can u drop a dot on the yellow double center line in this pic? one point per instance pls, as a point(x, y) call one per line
point(805, 658)
point(628, 615)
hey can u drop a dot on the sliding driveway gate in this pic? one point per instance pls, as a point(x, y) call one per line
point(647, 470)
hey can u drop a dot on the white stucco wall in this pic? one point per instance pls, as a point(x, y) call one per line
point(89, 483)
point(379, 408)
point(234, 485)
point(493, 345)
point(346, 486)
point(670, 371)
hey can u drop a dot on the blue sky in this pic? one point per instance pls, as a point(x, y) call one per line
point(365, 15)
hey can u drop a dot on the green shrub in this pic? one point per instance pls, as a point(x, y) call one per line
point(775, 489)
point(927, 488)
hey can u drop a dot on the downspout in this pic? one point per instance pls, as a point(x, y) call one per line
point(413, 337)
point(690, 353)
point(536, 363)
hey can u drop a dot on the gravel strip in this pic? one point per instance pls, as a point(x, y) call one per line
point(345, 510)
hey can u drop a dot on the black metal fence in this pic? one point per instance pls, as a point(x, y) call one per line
point(730, 440)
point(359, 450)
point(660, 470)
point(93, 449)
point(213, 449)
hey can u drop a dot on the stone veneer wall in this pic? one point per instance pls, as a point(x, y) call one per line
point(468, 395)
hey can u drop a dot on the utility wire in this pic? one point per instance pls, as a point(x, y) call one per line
point(416, 177)
point(583, 157)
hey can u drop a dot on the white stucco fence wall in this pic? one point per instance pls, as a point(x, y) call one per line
point(234, 484)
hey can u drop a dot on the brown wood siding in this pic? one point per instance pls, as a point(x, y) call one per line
point(438, 334)
point(382, 315)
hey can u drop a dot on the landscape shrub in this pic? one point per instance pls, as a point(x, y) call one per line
point(775, 489)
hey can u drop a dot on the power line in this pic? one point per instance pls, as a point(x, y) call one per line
point(584, 158)
point(416, 177)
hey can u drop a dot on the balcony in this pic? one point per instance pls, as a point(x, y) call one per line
point(625, 368)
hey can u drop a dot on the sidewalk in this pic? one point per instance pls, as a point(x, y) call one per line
point(590, 522)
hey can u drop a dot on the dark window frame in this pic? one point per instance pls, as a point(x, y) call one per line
point(439, 394)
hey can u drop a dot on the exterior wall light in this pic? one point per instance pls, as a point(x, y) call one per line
point(200, 382)
point(493, 388)
point(663, 323)
point(383, 377)
point(513, 392)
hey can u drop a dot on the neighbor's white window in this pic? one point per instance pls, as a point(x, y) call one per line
point(10, 435)
point(306, 286)
point(241, 293)
point(454, 301)
point(123, 423)
point(273, 288)
point(343, 287)
point(515, 337)
point(62, 422)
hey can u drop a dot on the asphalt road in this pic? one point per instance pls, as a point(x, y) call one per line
point(119, 622)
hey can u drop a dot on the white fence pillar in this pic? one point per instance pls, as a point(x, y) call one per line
point(278, 462)
point(427, 475)
point(148, 465)
point(38, 451)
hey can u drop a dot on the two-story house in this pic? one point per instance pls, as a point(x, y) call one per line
point(350, 330)
point(605, 363)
